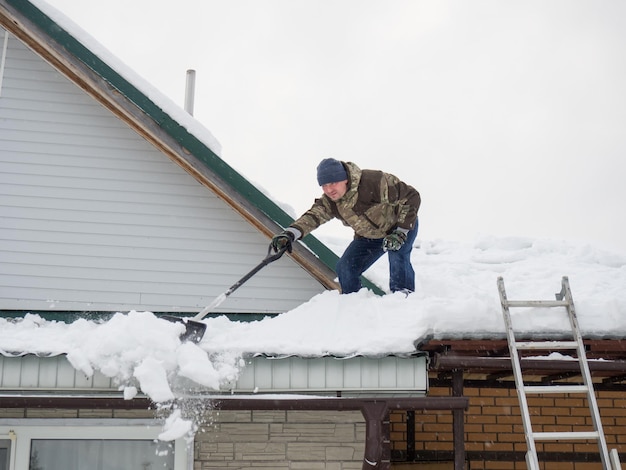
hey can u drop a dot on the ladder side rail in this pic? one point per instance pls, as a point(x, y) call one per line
point(531, 454)
point(531, 463)
point(586, 374)
point(616, 465)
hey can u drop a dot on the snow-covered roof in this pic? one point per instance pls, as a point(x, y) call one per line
point(456, 297)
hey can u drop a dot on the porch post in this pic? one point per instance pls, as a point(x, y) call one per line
point(458, 418)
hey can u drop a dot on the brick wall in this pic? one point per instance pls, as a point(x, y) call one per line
point(494, 435)
point(292, 440)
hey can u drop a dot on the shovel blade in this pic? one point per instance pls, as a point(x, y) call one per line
point(194, 330)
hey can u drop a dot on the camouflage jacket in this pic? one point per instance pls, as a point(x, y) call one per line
point(375, 204)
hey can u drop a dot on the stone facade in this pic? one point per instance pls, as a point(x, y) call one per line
point(294, 440)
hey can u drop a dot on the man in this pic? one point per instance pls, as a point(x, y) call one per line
point(382, 211)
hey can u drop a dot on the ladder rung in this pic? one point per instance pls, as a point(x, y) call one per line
point(555, 436)
point(556, 389)
point(545, 345)
point(537, 303)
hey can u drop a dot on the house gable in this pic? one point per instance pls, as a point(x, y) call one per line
point(150, 120)
point(97, 219)
point(170, 130)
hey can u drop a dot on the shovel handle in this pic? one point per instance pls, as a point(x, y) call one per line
point(276, 255)
point(269, 258)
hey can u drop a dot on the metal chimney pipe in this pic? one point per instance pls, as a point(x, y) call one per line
point(190, 91)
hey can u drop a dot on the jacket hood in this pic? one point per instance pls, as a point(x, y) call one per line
point(354, 178)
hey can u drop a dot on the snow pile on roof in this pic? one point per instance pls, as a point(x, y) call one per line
point(456, 296)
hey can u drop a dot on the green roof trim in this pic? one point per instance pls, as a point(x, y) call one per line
point(71, 316)
point(181, 135)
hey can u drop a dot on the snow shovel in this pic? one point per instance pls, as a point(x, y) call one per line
point(194, 329)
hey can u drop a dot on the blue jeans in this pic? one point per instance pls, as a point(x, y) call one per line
point(363, 252)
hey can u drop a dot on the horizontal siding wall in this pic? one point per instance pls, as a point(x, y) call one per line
point(94, 218)
point(352, 376)
point(355, 376)
point(49, 374)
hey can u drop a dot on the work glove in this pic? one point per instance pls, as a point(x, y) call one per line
point(283, 241)
point(394, 241)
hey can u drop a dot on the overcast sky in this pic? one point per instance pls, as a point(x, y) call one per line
point(508, 116)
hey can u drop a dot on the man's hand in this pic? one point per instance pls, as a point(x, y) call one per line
point(394, 241)
point(283, 241)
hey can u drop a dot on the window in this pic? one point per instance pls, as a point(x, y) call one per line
point(90, 445)
point(5, 453)
point(99, 454)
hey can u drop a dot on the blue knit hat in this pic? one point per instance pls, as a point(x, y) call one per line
point(330, 171)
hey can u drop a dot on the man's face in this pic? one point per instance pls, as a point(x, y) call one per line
point(335, 191)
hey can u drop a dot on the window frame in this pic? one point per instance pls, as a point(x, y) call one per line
point(10, 438)
point(22, 431)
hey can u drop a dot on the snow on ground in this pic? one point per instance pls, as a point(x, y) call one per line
point(456, 296)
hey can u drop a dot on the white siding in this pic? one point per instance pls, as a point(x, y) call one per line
point(353, 376)
point(94, 218)
point(49, 373)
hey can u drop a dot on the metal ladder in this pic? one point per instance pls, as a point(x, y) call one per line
point(563, 299)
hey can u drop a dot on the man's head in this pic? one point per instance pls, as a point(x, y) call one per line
point(333, 178)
